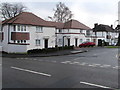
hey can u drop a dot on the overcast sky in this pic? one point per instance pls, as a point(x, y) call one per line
point(85, 11)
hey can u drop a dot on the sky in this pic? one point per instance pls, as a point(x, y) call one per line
point(87, 12)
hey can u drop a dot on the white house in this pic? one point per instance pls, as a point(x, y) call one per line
point(105, 33)
point(27, 31)
point(72, 33)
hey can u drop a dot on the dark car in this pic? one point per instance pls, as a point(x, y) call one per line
point(87, 44)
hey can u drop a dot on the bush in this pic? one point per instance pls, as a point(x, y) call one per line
point(48, 50)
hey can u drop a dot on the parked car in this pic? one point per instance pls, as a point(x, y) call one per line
point(87, 44)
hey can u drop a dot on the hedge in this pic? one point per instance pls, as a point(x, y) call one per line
point(48, 50)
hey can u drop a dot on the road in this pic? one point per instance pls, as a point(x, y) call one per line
point(97, 68)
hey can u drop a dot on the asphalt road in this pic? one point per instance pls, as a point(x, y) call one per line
point(97, 68)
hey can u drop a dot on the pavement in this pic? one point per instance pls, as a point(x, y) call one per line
point(56, 53)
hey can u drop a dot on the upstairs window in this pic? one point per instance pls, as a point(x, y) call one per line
point(18, 28)
point(60, 30)
point(14, 27)
point(24, 28)
point(81, 31)
point(21, 28)
point(88, 33)
point(39, 29)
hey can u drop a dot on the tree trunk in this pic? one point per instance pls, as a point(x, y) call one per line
point(118, 43)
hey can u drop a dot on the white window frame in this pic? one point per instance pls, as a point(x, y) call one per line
point(37, 42)
point(39, 29)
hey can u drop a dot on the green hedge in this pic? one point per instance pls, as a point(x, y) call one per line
point(48, 50)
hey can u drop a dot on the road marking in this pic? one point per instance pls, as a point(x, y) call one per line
point(92, 65)
point(26, 70)
point(106, 65)
point(94, 85)
point(66, 62)
point(116, 67)
point(83, 63)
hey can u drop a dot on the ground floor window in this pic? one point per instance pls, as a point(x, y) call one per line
point(38, 42)
point(88, 40)
point(81, 40)
point(19, 41)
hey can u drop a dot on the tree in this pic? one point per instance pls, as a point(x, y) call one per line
point(8, 10)
point(61, 13)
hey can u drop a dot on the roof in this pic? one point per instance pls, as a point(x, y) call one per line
point(74, 24)
point(28, 18)
point(102, 27)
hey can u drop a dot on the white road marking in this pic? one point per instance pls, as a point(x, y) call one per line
point(66, 62)
point(116, 67)
point(105, 65)
point(83, 63)
point(94, 85)
point(26, 70)
point(92, 65)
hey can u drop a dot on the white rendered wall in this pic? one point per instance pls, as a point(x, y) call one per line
point(47, 32)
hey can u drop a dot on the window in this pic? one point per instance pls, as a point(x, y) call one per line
point(38, 42)
point(24, 41)
point(60, 30)
point(24, 28)
point(21, 28)
point(18, 41)
point(18, 27)
point(39, 29)
point(21, 41)
point(68, 30)
point(81, 40)
point(81, 31)
point(88, 40)
point(88, 33)
point(14, 27)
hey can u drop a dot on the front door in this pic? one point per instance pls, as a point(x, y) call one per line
point(68, 41)
point(99, 42)
point(46, 43)
point(76, 42)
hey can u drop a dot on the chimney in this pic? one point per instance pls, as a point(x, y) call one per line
point(95, 25)
point(111, 26)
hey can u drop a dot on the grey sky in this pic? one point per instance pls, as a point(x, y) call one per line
point(85, 11)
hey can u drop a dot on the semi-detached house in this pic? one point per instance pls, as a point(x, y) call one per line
point(27, 31)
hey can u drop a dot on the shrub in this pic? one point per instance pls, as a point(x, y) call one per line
point(48, 50)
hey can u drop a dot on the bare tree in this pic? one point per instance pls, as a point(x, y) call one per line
point(8, 10)
point(62, 13)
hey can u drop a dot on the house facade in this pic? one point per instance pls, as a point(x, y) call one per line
point(27, 31)
point(105, 33)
